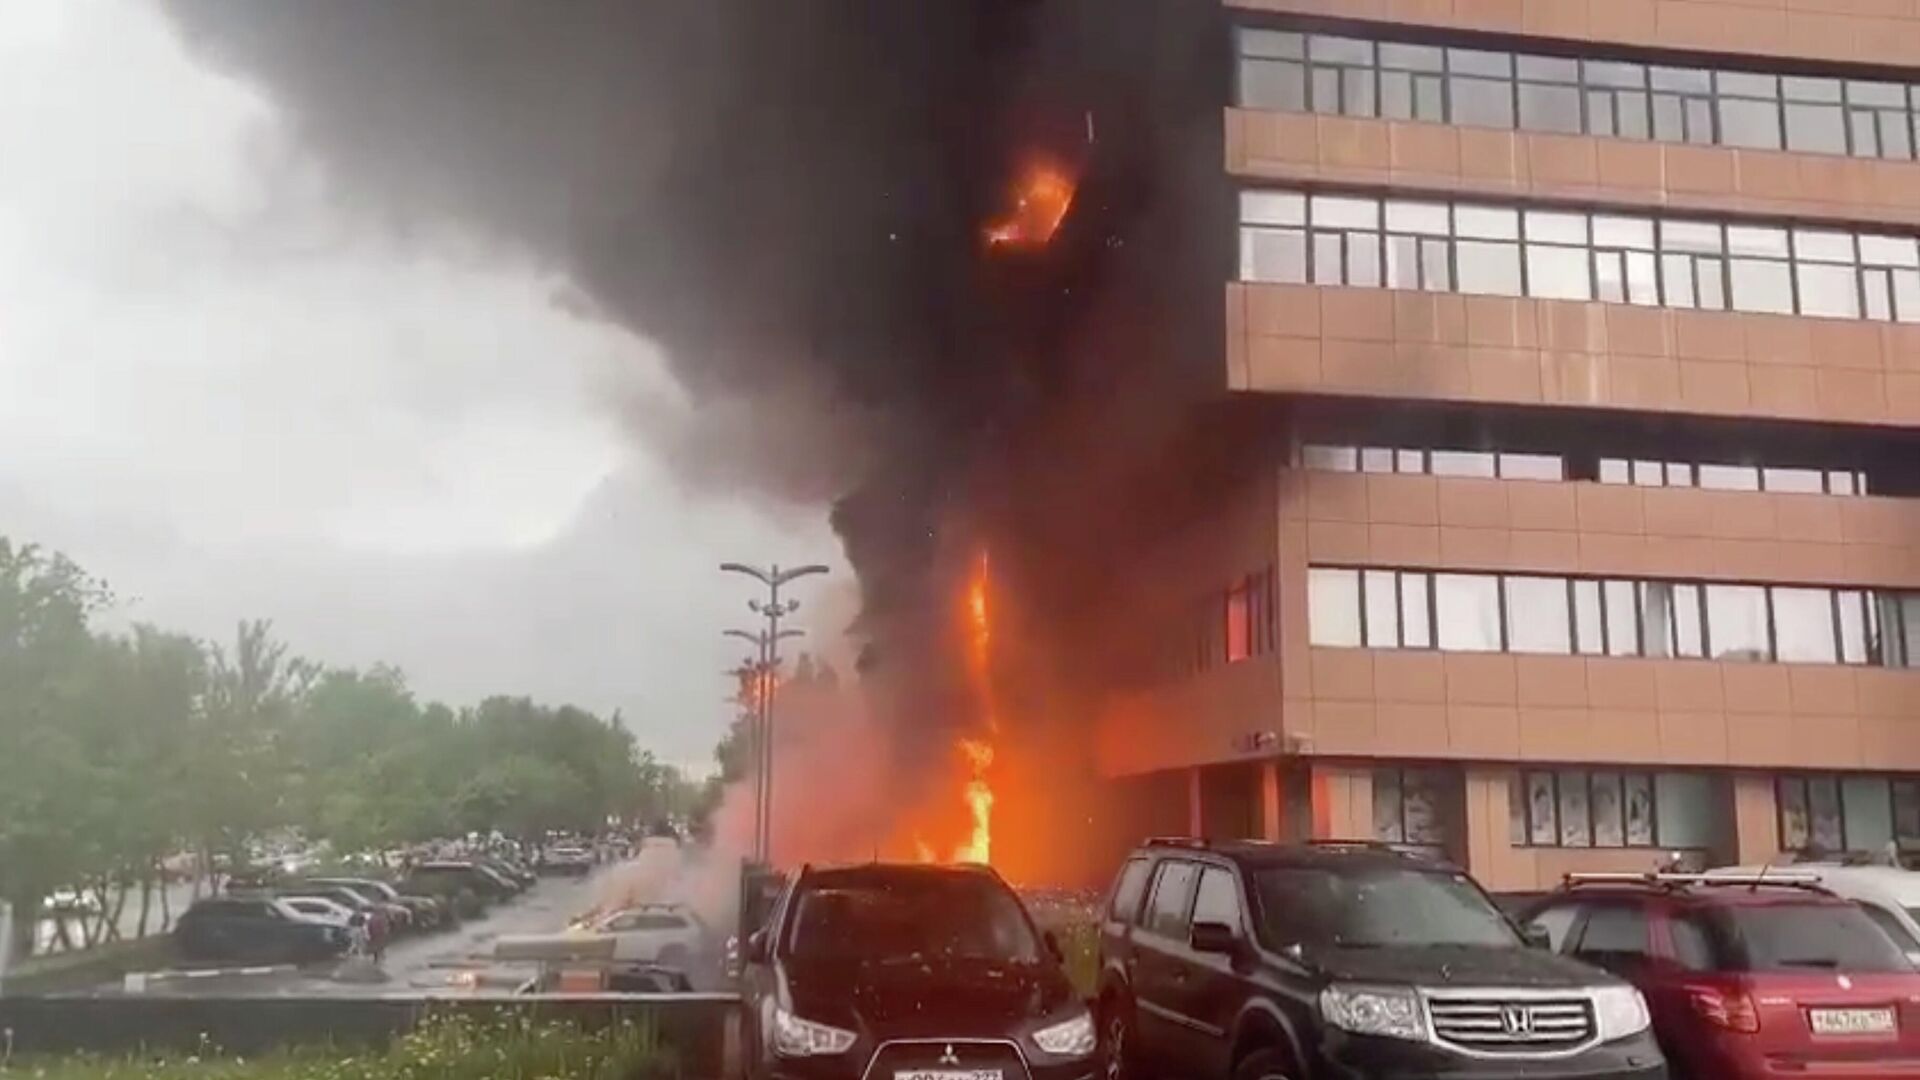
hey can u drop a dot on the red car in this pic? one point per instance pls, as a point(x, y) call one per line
point(1746, 977)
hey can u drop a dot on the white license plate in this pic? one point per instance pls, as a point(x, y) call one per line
point(1851, 1021)
point(946, 1074)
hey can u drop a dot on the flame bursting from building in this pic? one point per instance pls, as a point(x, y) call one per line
point(1041, 198)
point(976, 753)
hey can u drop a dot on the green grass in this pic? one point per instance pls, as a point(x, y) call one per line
point(441, 1048)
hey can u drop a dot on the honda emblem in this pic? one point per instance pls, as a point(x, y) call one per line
point(1516, 1019)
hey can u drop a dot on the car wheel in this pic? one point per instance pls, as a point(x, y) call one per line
point(1119, 1042)
point(1264, 1065)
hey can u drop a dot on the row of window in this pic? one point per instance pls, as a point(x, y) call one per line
point(1524, 613)
point(1610, 809)
point(1721, 477)
point(1291, 237)
point(1227, 627)
point(1627, 808)
point(1517, 466)
point(1353, 77)
point(1833, 814)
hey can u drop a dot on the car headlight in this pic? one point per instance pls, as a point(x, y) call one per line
point(794, 1037)
point(1068, 1038)
point(1390, 1012)
point(1620, 1011)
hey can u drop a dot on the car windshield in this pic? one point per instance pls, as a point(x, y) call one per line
point(1803, 937)
point(1376, 906)
point(912, 917)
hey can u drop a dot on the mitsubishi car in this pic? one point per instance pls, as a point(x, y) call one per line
point(908, 972)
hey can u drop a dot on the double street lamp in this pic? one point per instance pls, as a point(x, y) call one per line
point(766, 677)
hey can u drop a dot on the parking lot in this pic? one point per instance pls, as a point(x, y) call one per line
point(456, 961)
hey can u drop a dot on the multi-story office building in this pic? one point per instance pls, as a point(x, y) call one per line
point(1593, 327)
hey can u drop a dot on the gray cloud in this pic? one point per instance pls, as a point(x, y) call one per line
point(233, 400)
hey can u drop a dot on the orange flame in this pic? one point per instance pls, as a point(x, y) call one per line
point(976, 753)
point(1042, 198)
point(979, 796)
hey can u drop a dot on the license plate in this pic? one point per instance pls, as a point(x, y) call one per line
point(947, 1074)
point(1851, 1021)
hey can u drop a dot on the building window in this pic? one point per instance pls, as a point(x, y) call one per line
point(1324, 239)
point(1724, 477)
point(1409, 805)
point(1226, 627)
point(1299, 72)
point(1383, 608)
point(1608, 809)
point(1830, 814)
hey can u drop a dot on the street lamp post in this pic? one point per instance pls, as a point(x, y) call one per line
point(761, 688)
point(773, 609)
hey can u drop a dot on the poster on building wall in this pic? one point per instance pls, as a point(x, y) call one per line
point(1544, 828)
point(1575, 828)
point(1387, 814)
point(1423, 819)
point(1795, 830)
point(1609, 824)
point(1639, 788)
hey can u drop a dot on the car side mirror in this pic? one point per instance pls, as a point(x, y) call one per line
point(756, 950)
point(1213, 937)
point(1913, 957)
point(1537, 937)
point(1053, 946)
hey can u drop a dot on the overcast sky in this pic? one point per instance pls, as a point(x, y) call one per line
point(231, 402)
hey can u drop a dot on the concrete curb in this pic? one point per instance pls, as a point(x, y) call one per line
point(136, 982)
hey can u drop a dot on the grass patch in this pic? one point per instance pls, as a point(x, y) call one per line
point(445, 1047)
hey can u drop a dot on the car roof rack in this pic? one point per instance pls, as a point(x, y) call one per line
point(1790, 879)
point(1192, 843)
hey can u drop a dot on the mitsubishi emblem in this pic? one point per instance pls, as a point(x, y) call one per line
point(1516, 1020)
point(1845, 983)
point(948, 1057)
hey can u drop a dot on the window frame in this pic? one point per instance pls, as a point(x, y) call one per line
point(1681, 104)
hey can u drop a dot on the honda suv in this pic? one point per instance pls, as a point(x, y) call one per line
point(1347, 962)
point(1756, 976)
point(898, 972)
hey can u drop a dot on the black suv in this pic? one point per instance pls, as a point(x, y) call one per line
point(893, 971)
point(1348, 961)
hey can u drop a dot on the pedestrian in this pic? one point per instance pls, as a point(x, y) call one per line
point(377, 933)
point(358, 936)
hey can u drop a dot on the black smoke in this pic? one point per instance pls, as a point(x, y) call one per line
point(788, 196)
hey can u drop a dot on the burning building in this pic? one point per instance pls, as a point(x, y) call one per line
point(1481, 426)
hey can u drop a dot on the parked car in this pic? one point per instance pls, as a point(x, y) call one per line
point(423, 911)
point(1748, 977)
point(909, 971)
point(398, 917)
point(1249, 960)
point(260, 929)
point(1890, 895)
point(470, 885)
point(567, 861)
point(321, 908)
point(670, 935)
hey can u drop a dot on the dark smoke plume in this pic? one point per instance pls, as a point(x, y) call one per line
point(788, 196)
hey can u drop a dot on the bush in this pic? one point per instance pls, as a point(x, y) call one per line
point(451, 1047)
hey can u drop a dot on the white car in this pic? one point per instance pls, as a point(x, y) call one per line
point(319, 909)
point(1888, 894)
point(667, 934)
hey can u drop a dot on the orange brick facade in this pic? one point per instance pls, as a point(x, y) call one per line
point(1305, 731)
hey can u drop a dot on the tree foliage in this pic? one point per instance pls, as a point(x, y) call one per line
point(118, 751)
